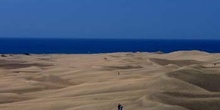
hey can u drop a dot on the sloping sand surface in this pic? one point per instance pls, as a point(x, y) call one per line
point(183, 80)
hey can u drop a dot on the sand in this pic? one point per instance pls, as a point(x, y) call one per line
point(183, 80)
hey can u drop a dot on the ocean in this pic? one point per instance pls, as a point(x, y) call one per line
point(92, 46)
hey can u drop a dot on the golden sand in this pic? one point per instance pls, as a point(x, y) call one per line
point(183, 80)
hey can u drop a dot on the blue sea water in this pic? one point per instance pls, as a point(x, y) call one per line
point(85, 46)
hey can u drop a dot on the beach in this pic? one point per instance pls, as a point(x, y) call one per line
point(181, 80)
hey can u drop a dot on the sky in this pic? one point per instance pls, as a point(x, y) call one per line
point(124, 19)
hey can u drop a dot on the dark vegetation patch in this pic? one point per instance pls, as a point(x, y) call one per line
point(6, 64)
point(28, 54)
point(3, 55)
point(121, 67)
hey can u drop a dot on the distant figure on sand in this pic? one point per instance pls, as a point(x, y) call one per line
point(118, 73)
point(214, 64)
point(105, 59)
point(120, 107)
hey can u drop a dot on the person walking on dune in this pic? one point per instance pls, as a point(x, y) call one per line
point(120, 107)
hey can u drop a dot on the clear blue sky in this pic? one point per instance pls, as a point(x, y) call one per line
point(148, 19)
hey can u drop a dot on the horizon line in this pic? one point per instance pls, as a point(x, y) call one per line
point(106, 38)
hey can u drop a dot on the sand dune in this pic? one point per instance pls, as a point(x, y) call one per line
point(183, 80)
